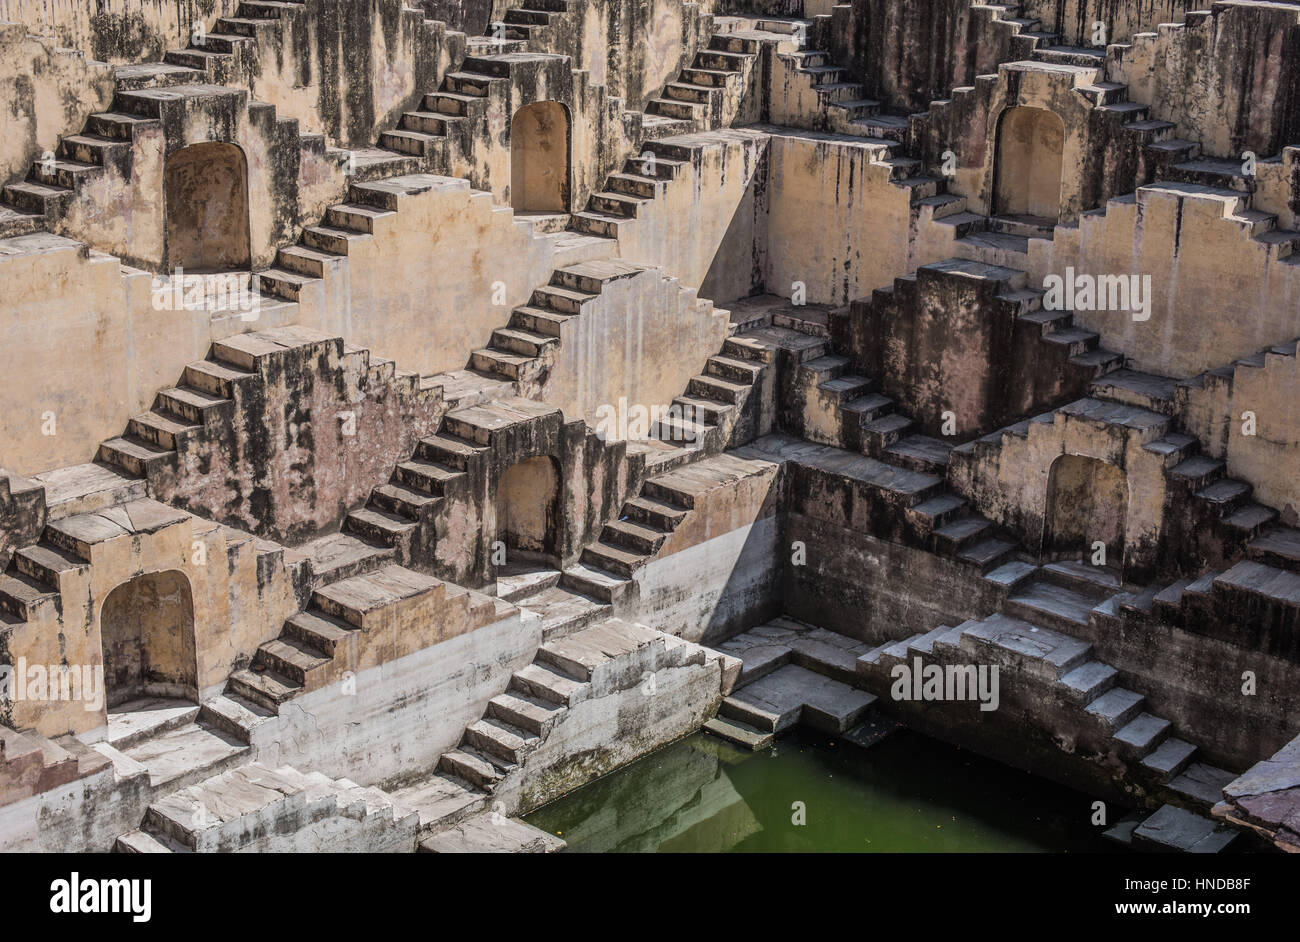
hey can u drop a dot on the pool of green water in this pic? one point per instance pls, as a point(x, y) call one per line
point(905, 794)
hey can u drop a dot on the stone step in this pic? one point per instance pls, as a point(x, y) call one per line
point(1116, 708)
point(1143, 733)
point(635, 537)
point(45, 564)
point(738, 732)
point(291, 658)
point(1088, 681)
point(319, 630)
point(1040, 651)
point(549, 683)
point(378, 526)
point(987, 554)
point(1202, 783)
point(500, 741)
point(614, 559)
point(534, 715)
point(1277, 546)
point(661, 514)
point(264, 688)
point(1051, 604)
point(952, 537)
point(134, 455)
point(1173, 829)
point(594, 581)
point(1170, 758)
point(473, 768)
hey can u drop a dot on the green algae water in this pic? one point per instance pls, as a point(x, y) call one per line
point(906, 794)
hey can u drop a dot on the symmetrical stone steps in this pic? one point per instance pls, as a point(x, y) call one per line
point(146, 96)
point(606, 656)
point(1116, 717)
point(694, 101)
point(317, 644)
point(35, 579)
point(438, 471)
point(241, 808)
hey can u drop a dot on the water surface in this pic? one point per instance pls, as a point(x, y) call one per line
point(906, 794)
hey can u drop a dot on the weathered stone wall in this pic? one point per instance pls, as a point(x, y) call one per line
point(362, 731)
point(49, 92)
point(348, 69)
point(1226, 80)
point(830, 204)
point(84, 341)
point(610, 351)
point(303, 440)
point(238, 603)
point(949, 339)
point(710, 590)
point(118, 31)
point(1216, 292)
point(909, 54)
point(633, 47)
point(1075, 20)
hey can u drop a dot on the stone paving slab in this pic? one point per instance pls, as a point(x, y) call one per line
point(491, 833)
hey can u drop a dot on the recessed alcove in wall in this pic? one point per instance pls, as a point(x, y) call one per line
point(527, 507)
point(1087, 503)
point(1031, 146)
point(539, 158)
point(206, 201)
point(147, 631)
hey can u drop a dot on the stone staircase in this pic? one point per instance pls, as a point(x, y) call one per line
point(789, 673)
point(203, 402)
point(707, 94)
point(73, 173)
point(602, 658)
point(523, 352)
point(349, 621)
point(256, 808)
point(400, 514)
point(648, 520)
point(1105, 719)
point(715, 413)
